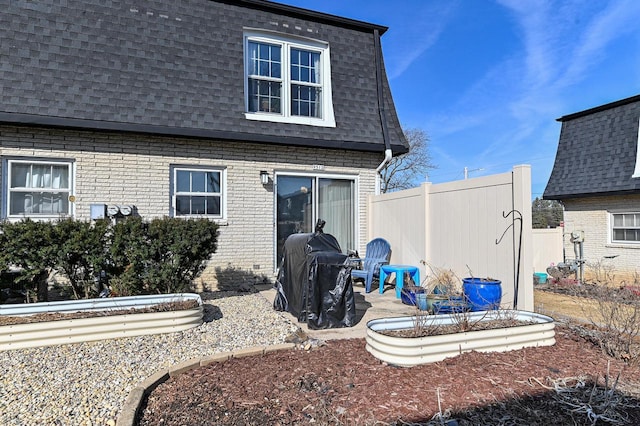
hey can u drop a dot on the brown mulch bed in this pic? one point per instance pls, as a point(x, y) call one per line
point(571, 382)
point(570, 287)
point(53, 316)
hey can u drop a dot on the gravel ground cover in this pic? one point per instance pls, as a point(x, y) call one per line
point(87, 383)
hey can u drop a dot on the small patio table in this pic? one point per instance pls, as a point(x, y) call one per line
point(399, 270)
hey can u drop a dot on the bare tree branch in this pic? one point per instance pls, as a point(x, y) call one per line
point(408, 170)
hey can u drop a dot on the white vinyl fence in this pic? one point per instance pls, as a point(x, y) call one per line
point(547, 248)
point(476, 227)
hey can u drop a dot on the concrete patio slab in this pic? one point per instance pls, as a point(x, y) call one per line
point(368, 306)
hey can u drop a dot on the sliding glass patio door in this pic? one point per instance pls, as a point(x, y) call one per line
point(303, 199)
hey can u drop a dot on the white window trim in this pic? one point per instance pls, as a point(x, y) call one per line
point(328, 118)
point(610, 229)
point(220, 219)
point(5, 209)
point(636, 172)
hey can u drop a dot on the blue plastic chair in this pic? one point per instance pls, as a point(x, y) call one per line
point(378, 253)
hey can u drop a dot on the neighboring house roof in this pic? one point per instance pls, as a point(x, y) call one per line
point(177, 68)
point(597, 152)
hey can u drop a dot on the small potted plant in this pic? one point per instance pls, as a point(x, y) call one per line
point(442, 290)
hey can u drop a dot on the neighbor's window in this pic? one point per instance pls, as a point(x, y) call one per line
point(38, 188)
point(198, 192)
point(288, 81)
point(625, 227)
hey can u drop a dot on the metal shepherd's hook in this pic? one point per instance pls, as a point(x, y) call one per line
point(517, 269)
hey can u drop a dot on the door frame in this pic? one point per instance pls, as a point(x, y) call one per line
point(315, 175)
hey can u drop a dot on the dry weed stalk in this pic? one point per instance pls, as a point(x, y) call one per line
point(613, 313)
point(444, 279)
point(601, 271)
point(615, 317)
point(425, 324)
point(597, 403)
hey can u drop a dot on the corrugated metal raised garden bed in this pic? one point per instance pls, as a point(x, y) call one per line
point(100, 319)
point(529, 329)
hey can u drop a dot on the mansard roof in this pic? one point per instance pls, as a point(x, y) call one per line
point(176, 68)
point(597, 152)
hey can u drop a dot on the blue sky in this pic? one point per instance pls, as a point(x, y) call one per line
point(487, 79)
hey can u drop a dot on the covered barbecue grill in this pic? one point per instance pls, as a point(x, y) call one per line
point(314, 281)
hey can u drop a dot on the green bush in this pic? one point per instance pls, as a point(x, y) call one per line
point(136, 257)
point(29, 245)
point(179, 251)
point(81, 254)
point(129, 257)
point(162, 256)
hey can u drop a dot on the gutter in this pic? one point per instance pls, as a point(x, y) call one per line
point(600, 108)
point(306, 14)
point(388, 153)
point(80, 124)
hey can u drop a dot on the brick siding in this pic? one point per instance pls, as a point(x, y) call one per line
point(120, 168)
point(591, 215)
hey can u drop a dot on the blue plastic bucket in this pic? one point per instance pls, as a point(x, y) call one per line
point(542, 277)
point(482, 294)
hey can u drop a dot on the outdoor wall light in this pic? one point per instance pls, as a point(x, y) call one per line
point(264, 177)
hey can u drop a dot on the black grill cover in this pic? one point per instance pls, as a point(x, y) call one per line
point(314, 283)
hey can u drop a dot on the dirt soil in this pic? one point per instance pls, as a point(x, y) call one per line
point(58, 316)
point(571, 382)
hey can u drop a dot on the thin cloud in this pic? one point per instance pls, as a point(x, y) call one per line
point(562, 41)
point(485, 101)
point(420, 31)
point(618, 19)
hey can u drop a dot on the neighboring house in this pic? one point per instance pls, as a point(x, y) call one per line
point(184, 108)
point(596, 175)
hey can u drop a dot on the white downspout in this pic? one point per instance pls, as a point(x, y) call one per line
point(388, 155)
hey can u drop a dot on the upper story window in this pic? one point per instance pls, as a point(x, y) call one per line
point(38, 189)
point(288, 80)
point(198, 192)
point(625, 227)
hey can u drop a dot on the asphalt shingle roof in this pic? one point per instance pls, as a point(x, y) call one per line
point(176, 67)
point(597, 152)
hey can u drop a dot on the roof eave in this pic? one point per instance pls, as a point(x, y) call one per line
point(589, 194)
point(600, 108)
point(299, 12)
point(111, 126)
